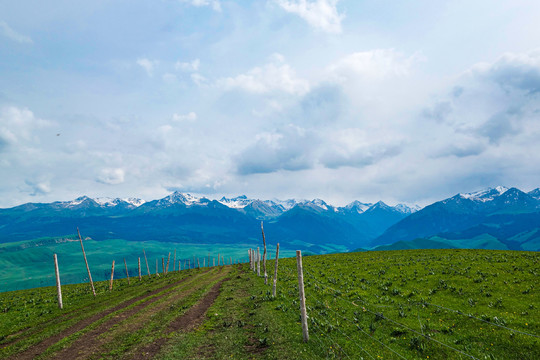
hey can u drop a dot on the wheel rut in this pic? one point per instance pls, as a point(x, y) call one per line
point(37, 349)
point(186, 322)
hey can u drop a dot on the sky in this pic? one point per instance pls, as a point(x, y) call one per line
point(405, 102)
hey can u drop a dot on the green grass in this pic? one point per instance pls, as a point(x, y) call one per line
point(368, 305)
point(377, 305)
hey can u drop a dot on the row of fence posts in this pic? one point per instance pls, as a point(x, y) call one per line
point(255, 266)
point(165, 269)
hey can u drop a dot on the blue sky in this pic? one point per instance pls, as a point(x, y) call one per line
point(342, 100)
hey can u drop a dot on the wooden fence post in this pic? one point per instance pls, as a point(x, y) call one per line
point(264, 256)
point(157, 273)
point(174, 261)
point(258, 261)
point(146, 260)
point(198, 264)
point(127, 274)
point(249, 257)
point(140, 277)
point(168, 260)
point(302, 295)
point(112, 276)
point(275, 271)
point(86, 262)
point(58, 286)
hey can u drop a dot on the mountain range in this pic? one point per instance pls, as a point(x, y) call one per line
point(498, 218)
point(181, 217)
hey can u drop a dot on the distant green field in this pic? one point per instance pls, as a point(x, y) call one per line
point(29, 264)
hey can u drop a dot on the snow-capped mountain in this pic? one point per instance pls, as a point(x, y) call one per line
point(357, 206)
point(102, 201)
point(486, 194)
point(238, 202)
point(535, 193)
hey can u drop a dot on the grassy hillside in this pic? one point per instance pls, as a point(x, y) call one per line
point(28, 264)
point(413, 304)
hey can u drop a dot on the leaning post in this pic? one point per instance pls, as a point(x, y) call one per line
point(86, 262)
point(112, 276)
point(127, 273)
point(140, 275)
point(58, 286)
point(303, 313)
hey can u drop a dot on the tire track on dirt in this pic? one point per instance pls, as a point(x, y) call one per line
point(186, 322)
point(92, 342)
point(37, 349)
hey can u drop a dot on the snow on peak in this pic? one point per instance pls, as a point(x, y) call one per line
point(78, 201)
point(178, 197)
point(238, 202)
point(486, 194)
point(360, 207)
point(320, 203)
point(405, 209)
point(134, 201)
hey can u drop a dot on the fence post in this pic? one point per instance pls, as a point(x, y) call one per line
point(112, 276)
point(140, 277)
point(302, 295)
point(174, 261)
point(168, 260)
point(258, 261)
point(275, 271)
point(157, 273)
point(198, 264)
point(249, 256)
point(146, 260)
point(58, 286)
point(86, 262)
point(264, 256)
point(127, 274)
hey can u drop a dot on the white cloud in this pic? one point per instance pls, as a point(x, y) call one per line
point(188, 66)
point(198, 79)
point(18, 125)
point(321, 14)
point(378, 63)
point(215, 4)
point(273, 77)
point(148, 65)
point(186, 117)
point(8, 32)
point(111, 176)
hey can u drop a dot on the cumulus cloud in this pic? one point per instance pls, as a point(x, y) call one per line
point(111, 176)
point(321, 14)
point(11, 34)
point(291, 148)
point(275, 76)
point(513, 71)
point(148, 65)
point(18, 126)
point(191, 117)
point(190, 66)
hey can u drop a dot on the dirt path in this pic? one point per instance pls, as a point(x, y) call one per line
point(92, 342)
point(187, 322)
point(39, 348)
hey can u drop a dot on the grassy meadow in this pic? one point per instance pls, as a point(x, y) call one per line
point(409, 304)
